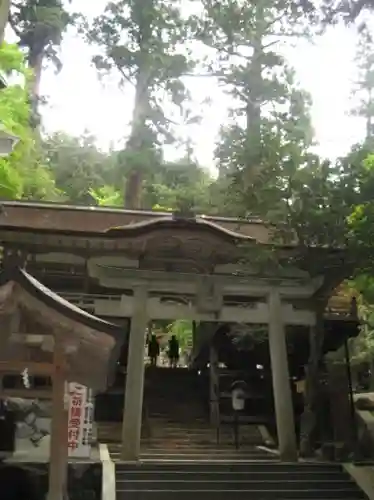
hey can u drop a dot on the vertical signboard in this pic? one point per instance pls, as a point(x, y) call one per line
point(80, 418)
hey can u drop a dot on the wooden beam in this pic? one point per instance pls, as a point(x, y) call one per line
point(188, 283)
point(33, 367)
point(59, 429)
point(110, 306)
point(258, 314)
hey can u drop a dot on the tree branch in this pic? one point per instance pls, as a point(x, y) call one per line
point(126, 77)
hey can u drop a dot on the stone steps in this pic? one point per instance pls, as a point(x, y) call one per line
point(166, 434)
point(199, 455)
point(244, 480)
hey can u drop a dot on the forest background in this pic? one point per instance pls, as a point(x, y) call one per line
point(266, 163)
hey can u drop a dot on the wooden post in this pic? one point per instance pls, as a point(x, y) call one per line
point(194, 336)
point(214, 386)
point(284, 412)
point(59, 425)
point(132, 418)
point(214, 390)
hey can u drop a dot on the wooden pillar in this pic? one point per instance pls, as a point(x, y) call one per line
point(132, 418)
point(284, 412)
point(58, 460)
point(149, 332)
point(194, 336)
point(341, 417)
point(214, 386)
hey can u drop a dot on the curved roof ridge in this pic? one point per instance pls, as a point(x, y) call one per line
point(175, 221)
point(55, 301)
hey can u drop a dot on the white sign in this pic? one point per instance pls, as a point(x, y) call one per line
point(238, 399)
point(80, 420)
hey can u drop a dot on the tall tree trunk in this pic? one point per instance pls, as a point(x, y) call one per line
point(35, 61)
point(369, 116)
point(4, 15)
point(255, 100)
point(137, 142)
point(133, 189)
point(371, 383)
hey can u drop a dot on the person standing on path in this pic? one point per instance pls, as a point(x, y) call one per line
point(153, 350)
point(173, 352)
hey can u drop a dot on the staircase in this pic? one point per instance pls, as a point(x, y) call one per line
point(177, 413)
point(176, 423)
point(234, 481)
point(195, 441)
point(170, 439)
point(176, 394)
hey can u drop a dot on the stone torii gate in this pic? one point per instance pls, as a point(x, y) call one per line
point(46, 335)
point(132, 418)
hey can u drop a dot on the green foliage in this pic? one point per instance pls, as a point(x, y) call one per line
point(332, 11)
point(182, 329)
point(39, 24)
point(21, 173)
point(142, 41)
point(362, 347)
point(278, 186)
point(14, 98)
point(107, 196)
point(363, 91)
point(86, 175)
point(270, 114)
point(77, 166)
point(181, 186)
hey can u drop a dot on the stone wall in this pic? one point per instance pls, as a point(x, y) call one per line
point(84, 479)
